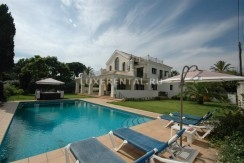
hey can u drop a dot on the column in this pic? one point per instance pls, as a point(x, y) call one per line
point(101, 88)
point(240, 91)
point(148, 85)
point(82, 89)
point(82, 86)
point(76, 87)
point(132, 85)
point(90, 89)
point(113, 87)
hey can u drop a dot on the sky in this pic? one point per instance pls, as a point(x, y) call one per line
point(179, 32)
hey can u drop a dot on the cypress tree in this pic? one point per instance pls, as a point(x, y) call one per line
point(7, 32)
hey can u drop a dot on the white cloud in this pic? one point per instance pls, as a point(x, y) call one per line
point(182, 46)
point(66, 29)
point(93, 13)
point(66, 2)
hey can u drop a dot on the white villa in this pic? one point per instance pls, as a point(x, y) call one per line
point(129, 76)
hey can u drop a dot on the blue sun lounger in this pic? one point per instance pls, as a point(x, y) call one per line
point(187, 116)
point(146, 143)
point(193, 117)
point(172, 118)
point(141, 141)
point(91, 150)
point(199, 123)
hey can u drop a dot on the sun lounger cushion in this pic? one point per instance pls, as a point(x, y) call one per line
point(187, 116)
point(177, 119)
point(139, 140)
point(193, 117)
point(91, 150)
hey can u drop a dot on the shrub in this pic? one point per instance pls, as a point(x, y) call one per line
point(10, 89)
point(231, 120)
point(157, 98)
point(231, 149)
point(228, 135)
point(177, 97)
point(143, 99)
point(69, 87)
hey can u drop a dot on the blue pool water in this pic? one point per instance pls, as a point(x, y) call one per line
point(39, 127)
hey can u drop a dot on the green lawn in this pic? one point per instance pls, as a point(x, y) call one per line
point(32, 97)
point(162, 106)
point(168, 106)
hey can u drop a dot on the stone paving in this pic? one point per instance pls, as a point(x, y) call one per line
point(154, 128)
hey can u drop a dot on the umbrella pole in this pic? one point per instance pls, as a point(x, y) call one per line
point(181, 108)
point(185, 70)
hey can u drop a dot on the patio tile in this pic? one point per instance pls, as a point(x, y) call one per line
point(38, 158)
point(60, 159)
point(55, 154)
point(22, 161)
point(6, 114)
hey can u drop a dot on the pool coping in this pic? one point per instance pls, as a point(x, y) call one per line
point(7, 111)
point(151, 128)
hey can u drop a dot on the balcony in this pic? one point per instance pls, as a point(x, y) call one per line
point(116, 72)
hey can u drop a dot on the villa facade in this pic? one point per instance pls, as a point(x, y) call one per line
point(129, 76)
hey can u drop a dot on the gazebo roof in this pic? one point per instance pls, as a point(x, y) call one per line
point(49, 81)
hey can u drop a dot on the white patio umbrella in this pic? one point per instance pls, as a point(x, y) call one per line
point(49, 81)
point(203, 76)
point(198, 76)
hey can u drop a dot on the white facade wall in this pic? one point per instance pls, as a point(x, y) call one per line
point(158, 67)
point(121, 60)
point(165, 87)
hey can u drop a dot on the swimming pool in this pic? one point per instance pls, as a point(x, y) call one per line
point(38, 127)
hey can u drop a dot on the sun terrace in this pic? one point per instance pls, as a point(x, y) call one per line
point(154, 128)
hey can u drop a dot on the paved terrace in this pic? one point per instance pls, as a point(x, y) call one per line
point(153, 129)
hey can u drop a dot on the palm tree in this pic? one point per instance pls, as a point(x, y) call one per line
point(221, 66)
point(174, 73)
point(89, 71)
point(203, 91)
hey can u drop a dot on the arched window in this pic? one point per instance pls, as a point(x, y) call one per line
point(110, 68)
point(123, 66)
point(116, 66)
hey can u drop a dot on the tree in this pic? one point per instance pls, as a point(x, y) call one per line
point(221, 66)
point(76, 67)
point(89, 71)
point(37, 68)
point(174, 73)
point(7, 32)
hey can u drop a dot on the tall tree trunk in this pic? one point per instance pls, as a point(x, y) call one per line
point(2, 98)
